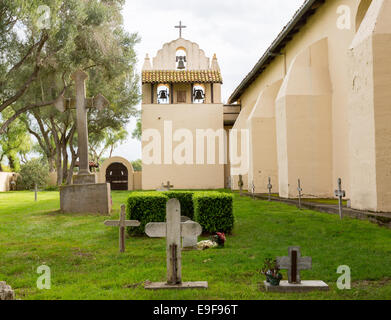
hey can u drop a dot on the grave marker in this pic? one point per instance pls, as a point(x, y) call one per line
point(294, 263)
point(241, 184)
point(270, 187)
point(122, 223)
point(340, 194)
point(173, 230)
point(300, 190)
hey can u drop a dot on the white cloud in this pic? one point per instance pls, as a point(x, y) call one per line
point(237, 31)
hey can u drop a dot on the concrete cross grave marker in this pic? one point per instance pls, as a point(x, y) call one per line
point(241, 184)
point(300, 190)
point(82, 104)
point(270, 187)
point(173, 230)
point(122, 223)
point(294, 263)
point(340, 194)
point(189, 242)
point(253, 189)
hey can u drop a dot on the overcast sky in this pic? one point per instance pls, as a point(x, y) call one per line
point(239, 32)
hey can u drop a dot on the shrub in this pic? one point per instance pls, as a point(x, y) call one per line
point(214, 211)
point(33, 172)
point(186, 200)
point(146, 207)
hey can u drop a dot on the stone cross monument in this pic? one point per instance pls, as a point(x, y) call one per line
point(340, 194)
point(173, 230)
point(270, 187)
point(85, 196)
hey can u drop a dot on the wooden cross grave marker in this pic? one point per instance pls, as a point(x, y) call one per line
point(173, 230)
point(168, 186)
point(340, 194)
point(253, 189)
point(241, 184)
point(122, 223)
point(300, 190)
point(270, 187)
point(294, 263)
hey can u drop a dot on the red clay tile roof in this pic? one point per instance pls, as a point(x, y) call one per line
point(188, 76)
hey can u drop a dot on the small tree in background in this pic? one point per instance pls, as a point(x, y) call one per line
point(33, 172)
point(137, 165)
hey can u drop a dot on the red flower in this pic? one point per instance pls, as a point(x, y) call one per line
point(221, 236)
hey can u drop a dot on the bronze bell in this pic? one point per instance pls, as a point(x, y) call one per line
point(163, 95)
point(199, 95)
point(181, 62)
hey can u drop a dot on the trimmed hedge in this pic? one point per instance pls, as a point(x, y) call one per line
point(214, 211)
point(186, 200)
point(146, 207)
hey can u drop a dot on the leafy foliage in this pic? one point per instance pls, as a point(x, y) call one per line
point(214, 211)
point(146, 207)
point(33, 172)
point(186, 200)
point(137, 165)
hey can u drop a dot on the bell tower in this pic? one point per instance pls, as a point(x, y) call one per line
point(181, 87)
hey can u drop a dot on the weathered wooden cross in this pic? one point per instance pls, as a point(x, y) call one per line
point(253, 189)
point(168, 186)
point(294, 263)
point(241, 184)
point(270, 187)
point(173, 230)
point(340, 194)
point(122, 223)
point(82, 104)
point(300, 190)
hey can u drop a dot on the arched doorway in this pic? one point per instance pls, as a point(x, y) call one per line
point(117, 175)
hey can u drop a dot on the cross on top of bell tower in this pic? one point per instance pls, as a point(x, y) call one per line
point(180, 27)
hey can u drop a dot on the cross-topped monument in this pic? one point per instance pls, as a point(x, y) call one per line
point(122, 223)
point(82, 104)
point(180, 27)
point(173, 230)
point(294, 263)
point(340, 194)
point(85, 195)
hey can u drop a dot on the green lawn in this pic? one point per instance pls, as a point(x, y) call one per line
point(85, 263)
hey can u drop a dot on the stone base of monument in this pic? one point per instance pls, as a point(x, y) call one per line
point(86, 198)
point(184, 285)
point(304, 286)
point(6, 292)
point(84, 179)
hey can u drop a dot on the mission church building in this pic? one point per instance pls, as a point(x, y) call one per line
point(181, 89)
point(318, 105)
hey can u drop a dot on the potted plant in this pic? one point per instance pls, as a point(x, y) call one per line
point(272, 272)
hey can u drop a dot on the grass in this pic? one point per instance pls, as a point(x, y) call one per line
point(85, 264)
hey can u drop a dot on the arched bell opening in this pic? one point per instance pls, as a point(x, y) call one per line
point(163, 94)
point(199, 94)
point(181, 59)
point(118, 176)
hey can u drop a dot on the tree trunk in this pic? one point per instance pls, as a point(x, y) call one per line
point(59, 167)
point(65, 163)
